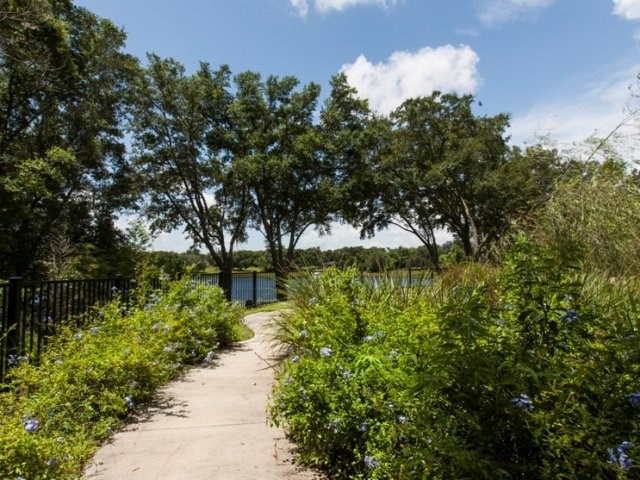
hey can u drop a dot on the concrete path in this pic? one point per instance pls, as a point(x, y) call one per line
point(211, 424)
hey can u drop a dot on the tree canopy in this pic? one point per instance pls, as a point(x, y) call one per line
point(216, 154)
point(64, 83)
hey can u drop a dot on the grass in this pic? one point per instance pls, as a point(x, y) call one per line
point(243, 333)
point(270, 307)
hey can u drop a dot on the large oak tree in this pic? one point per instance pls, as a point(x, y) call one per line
point(281, 155)
point(185, 156)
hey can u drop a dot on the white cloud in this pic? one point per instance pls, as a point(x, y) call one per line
point(628, 9)
point(495, 12)
point(595, 108)
point(413, 74)
point(339, 5)
point(302, 7)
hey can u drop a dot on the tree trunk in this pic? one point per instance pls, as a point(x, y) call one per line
point(435, 256)
point(225, 282)
point(281, 281)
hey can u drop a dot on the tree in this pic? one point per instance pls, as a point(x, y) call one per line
point(518, 187)
point(355, 142)
point(442, 155)
point(64, 84)
point(427, 171)
point(280, 154)
point(184, 153)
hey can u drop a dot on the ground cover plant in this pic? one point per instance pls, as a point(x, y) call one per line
point(527, 370)
point(55, 414)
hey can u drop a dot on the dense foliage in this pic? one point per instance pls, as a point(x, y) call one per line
point(64, 92)
point(595, 213)
point(524, 371)
point(56, 413)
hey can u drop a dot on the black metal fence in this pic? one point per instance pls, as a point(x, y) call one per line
point(32, 311)
point(248, 288)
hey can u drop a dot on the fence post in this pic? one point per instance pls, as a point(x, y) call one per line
point(14, 305)
point(118, 283)
point(254, 290)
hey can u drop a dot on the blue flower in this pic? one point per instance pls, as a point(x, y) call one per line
point(371, 462)
point(304, 334)
point(522, 401)
point(335, 425)
point(363, 427)
point(402, 419)
point(15, 359)
point(570, 316)
point(130, 402)
point(623, 460)
point(326, 352)
point(31, 425)
point(634, 399)
point(624, 446)
point(303, 394)
point(210, 357)
point(377, 335)
point(295, 359)
point(95, 330)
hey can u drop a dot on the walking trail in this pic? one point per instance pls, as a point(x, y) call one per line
point(211, 424)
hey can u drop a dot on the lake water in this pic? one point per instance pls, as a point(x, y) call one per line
point(265, 285)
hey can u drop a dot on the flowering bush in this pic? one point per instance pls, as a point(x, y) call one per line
point(528, 371)
point(56, 413)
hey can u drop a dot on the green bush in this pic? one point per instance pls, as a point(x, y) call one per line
point(596, 213)
point(527, 371)
point(56, 413)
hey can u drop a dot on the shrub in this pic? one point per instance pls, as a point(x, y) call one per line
point(597, 214)
point(57, 412)
point(527, 371)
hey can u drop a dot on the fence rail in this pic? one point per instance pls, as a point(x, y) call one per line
point(32, 311)
point(248, 288)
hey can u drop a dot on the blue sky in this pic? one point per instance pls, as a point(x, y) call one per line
point(561, 68)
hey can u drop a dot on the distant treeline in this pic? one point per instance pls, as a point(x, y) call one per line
point(372, 259)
